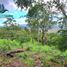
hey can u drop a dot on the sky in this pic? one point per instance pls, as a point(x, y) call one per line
point(13, 10)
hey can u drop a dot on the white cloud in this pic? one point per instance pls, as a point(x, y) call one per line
point(1, 24)
point(9, 4)
point(2, 20)
point(21, 21)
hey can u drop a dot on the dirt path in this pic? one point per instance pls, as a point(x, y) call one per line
point(37, 62)
point(14, 63)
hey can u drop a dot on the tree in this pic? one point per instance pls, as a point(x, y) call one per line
point(9, 22)
point(24, 3)
point(57, 3)
point(61, 6)
point(2, 8)
point(38, 20)
point(38, 16)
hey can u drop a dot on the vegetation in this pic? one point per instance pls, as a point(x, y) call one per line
point(35, 46)
point(47, 54)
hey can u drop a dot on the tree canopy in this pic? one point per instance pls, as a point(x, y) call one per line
point(2, 8)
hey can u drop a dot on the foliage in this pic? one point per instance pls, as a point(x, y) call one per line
point(23, 3)
point(6, 45)
point(14, 33)
point(2, 8)
point(63, 41)
point(38, 20)
point(58, 39)
point(46, 53)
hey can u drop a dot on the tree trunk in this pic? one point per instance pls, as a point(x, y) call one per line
point(44, 39)
point(43, 35)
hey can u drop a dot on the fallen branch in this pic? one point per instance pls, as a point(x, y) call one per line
point(12, 53)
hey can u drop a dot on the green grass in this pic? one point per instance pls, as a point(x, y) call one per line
point(45, 52)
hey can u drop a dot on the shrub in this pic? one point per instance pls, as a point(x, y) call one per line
point(6, 45)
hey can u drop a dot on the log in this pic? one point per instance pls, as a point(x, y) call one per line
point(12, 53)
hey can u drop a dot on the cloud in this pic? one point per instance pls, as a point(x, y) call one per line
point(16, 13)
point(9, 4)
point(13, 10)
point(21, 21)
point(2, 20)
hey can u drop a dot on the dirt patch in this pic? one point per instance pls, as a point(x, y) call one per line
point(14, 63)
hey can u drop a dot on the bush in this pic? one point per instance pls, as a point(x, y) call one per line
point(13, 34)
point(6, 45)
